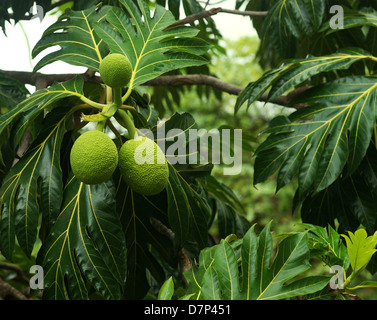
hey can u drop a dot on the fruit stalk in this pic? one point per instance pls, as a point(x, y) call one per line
point(127, 122)
point(117, 96)
point(101, 125)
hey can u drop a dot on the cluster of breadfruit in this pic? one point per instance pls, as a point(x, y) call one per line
point(94, 155)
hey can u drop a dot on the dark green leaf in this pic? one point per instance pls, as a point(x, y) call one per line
point(26, 111)
point(40, 166)
point(74, 34)
point(151, 49)
point(218, 274)
point(334, 130)
point(11, 92)
point(86, 244)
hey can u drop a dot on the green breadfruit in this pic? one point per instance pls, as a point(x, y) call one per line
point(115, 70)
point(94, 157)
point(143, 166)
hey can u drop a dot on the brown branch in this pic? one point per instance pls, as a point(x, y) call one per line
point(6, 290)
point(200, 79)
point(214, 11)
point(20, 273)
point(48, 79)
point(195, 79)
point(183, 259)
point(176, 80)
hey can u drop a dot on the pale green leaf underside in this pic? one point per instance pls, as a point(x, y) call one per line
point(360, 248)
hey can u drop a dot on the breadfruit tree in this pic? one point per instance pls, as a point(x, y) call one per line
point(111, 209)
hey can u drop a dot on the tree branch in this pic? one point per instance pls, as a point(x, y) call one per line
point(176, 80)
point(20, 274)
point(6, 290)
point(214, 11)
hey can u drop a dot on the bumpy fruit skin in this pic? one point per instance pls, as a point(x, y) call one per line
point(94, 157)
point(115, 70)
point(148, 178)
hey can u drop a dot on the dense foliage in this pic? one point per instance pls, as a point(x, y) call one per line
point(200, 238)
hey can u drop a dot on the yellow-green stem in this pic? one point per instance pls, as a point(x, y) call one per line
point(127, 122)
point(348, 280)
point(101, 125)
point(109, 94)
point(92, 103)
point(117, 96)
point(127, 94)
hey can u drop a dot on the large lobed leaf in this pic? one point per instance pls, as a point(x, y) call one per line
point(289, 19)
point(350, 200)
point(85, 38)
point(218, 276)
point(22, 115)
point(295, 72)
point(74, 34)
point(37, 172)
point(151, 48)
point(11, 92)
point(85, 244)
point(317, 142)
point(181, 207)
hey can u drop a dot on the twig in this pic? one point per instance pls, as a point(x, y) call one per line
point(176, 80)
point(208, 13)
point(183, 259)
point(20, 274)
point(6, 290)
point(27, 77)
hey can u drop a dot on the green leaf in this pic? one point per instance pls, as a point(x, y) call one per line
point(141, 218)
point(151, 48)
point(26, 111)
point(354, 19)
point(327, 245)
point(37, 172)
point(295, 72)
point(351, 200)
point(167, 290)
point(74, 34)
point(218, 277)
point(11, 92)
point(360, 248)
point(226, 269)
point(364, 284)
point(86, 244)
point(317, 142)
point(231, 214)
point(288, 19)
point(188, 212)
